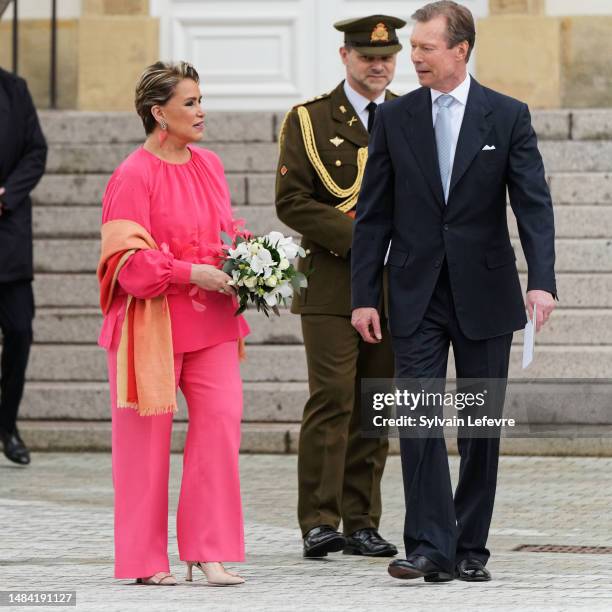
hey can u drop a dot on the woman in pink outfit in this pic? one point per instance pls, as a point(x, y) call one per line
point(178, 193)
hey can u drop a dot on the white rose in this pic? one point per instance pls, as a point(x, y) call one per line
point(254, 248)
point(272, 281)
point(284, 264)
point(250, 281)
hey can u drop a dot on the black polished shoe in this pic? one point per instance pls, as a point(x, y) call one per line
point(14, 448)
point(472, 570)
point(369, 543)
point(418, 566)
point(322, 540)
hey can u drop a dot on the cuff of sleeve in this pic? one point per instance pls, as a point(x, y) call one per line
point(181, 272)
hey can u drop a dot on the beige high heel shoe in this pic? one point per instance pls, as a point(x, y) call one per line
point(159, 579)
point(216, 574)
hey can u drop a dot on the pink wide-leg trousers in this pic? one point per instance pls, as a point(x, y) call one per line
point(209, 519)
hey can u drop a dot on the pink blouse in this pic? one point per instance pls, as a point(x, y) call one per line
point(184, 207)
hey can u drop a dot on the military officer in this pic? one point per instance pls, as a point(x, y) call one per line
point(323, 152)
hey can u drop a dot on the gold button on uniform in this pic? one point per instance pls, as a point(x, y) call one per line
point(338, 162)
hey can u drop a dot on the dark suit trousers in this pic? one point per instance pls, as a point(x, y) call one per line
point(16, 314)
point(438, 526)
point(339, 472)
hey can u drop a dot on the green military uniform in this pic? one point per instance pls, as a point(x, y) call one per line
point(323, 151)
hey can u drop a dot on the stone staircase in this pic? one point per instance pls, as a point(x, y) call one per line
point(66, 399)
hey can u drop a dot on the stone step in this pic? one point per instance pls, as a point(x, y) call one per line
point(81, 290)
point(562, 403)
point(258, 189)
point(270, 402)
point(559, 156)
point(84, 127)
point(581, 188)
point(287, 363)
point(589, 124)
point(118, 127)
point(81, 255)
point(236, 157)
point(88, 189)
point(81, 326)
point(577, 156)
point(84, 221)
point(79, 436)
point(67, 290)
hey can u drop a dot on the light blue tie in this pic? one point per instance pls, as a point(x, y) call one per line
point(443, 139)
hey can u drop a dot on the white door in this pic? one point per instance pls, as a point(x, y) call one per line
point(271, 54)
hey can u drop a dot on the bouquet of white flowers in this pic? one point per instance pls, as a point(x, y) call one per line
point(261, 270)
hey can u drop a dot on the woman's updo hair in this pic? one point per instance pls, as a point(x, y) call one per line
point(156, 86)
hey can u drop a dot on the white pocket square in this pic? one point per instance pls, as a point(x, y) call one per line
point(488, 148)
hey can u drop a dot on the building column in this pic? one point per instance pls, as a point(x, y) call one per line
point(117, 40)
point(548, 62)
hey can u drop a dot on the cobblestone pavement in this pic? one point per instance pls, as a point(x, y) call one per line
point(57, 535)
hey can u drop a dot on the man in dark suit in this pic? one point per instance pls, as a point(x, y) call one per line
point(440, 161)
point(22, 163)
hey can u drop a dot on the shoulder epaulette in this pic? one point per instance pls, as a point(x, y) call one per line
point(315, 99)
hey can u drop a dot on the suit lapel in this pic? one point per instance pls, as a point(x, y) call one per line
point(474, 129)
point(421, 139)
point(348, 125)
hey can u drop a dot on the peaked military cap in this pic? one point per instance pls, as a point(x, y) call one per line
point(373, 35)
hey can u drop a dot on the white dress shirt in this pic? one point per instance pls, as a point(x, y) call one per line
point(359, 103)
point(457, 109)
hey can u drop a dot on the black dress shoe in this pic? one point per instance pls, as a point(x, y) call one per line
point(369, 543)
point(472, 570)
point(418, 566)
point(322, 540)
point(14, 448)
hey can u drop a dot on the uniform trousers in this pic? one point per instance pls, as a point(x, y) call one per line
point(339, 471)
point(442, 527)
point(16, 314)
point(209, 516)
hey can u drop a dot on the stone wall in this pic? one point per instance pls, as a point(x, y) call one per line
point(549, 62)
point(100, 54)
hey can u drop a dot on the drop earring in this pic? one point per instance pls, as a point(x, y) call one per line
point(163, 134)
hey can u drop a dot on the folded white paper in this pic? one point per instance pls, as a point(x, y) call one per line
point(529, 338)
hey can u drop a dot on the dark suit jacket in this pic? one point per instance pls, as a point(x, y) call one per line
point(23, 153)
point(402, 200)
point(305, 205)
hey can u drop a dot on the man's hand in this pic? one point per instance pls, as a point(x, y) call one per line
point(2, 191)
point(367, 322)
point(546, 304)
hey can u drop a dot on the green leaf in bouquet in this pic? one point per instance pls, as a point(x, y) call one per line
point(302, 280)
point(276, 311)
point(228, 267)
point(295, 283)
point(239, 240)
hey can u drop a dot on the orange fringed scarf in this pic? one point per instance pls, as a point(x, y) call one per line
point(145, 359)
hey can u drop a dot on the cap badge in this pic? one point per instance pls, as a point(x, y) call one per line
point(380, 33)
